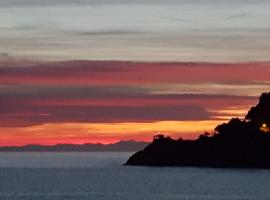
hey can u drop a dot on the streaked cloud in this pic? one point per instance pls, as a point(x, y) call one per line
point(213, 75)
point(87, 101)
point(114, 92)
point(138, 30)
point(29, 115)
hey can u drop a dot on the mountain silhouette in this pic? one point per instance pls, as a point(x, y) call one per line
point(238, 144)
point(128, 145)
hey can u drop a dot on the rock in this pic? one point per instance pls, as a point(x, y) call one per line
point(238, 144)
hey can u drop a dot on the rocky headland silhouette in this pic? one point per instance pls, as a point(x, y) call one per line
point(237, 144)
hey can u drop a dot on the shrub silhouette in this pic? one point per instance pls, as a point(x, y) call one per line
point(238, 143)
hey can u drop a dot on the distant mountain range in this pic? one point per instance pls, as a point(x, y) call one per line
point(129, 145)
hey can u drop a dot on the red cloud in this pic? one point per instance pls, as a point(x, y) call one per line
point(115, 73)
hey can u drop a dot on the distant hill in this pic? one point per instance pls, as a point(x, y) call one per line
point(237, 144)
point(119, 146)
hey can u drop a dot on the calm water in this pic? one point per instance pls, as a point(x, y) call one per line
point(101, 176)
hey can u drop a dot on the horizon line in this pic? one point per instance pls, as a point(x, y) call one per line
point(74, 144)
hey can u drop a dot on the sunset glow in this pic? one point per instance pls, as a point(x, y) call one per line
point(102, 71)
point(180, 100)
point(80, 133)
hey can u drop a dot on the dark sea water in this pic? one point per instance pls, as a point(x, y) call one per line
point(81, 176)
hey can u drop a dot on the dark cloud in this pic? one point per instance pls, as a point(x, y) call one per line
point(27, 94)
point(174, 19)
point(64, 68)
point(30, 115)
point(22, 105)
point(106, 32)
point(115, 73)
point(7, 60)
point(14, 93)
point(236, 16)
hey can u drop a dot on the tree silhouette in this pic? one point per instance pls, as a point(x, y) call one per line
point(238, 143)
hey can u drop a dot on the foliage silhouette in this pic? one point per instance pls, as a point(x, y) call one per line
point(238, 143)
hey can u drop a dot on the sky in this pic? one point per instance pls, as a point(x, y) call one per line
point(141, 30)
point(102, 71)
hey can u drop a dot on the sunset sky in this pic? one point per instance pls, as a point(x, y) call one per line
point(90, 71)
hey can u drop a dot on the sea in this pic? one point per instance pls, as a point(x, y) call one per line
point(102, 175)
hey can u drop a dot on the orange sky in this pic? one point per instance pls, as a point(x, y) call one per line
point(79, 133)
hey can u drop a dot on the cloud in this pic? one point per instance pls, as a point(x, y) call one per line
point(112, 91)
point(30, 115)
point(113, 32)
point(174, 19)
point(104, 95)
point(7, 60)
point(76, 30)
point(236, 16)
point(27, 3)
point(22, 105)
point(128, 73)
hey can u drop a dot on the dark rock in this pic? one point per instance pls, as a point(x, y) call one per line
point(238, 144)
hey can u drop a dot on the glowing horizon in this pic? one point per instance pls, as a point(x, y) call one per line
point(81, 133)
